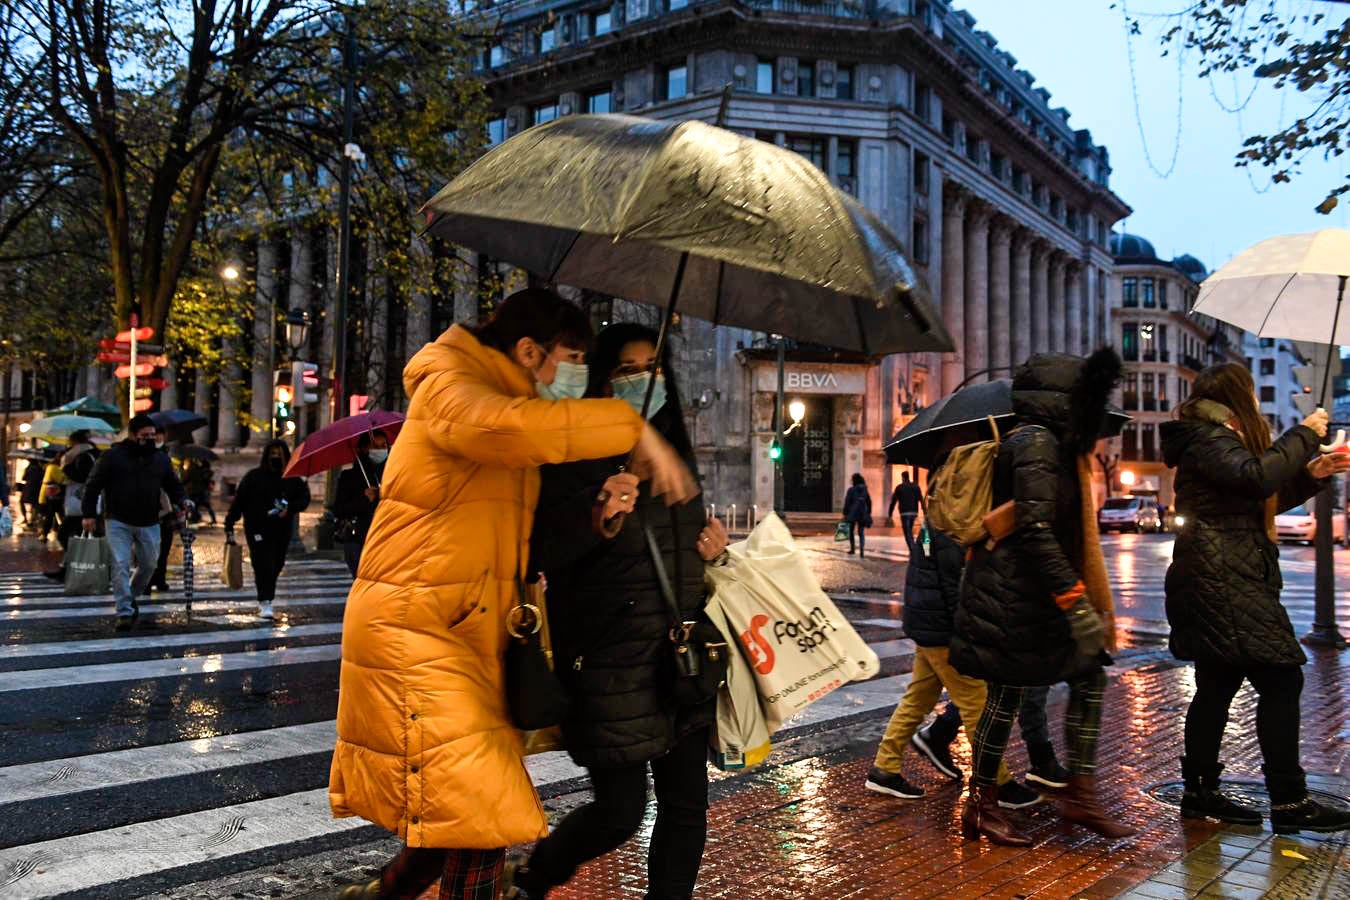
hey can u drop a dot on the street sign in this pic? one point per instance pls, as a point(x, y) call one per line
point(141, 358)
point(141, 369)
point(142, 405)
point(154, 384)
point(143, 392)
point(125, 346)
point(114, 356)
point(142, 334)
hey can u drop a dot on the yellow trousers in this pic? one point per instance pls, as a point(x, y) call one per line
point(932, 673)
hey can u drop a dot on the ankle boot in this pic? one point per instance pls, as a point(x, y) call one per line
point(1078, 804)
point(982, 816)
point(1307, 815)
point(1203, 800)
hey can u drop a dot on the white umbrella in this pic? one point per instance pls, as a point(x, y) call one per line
point(1290, 287)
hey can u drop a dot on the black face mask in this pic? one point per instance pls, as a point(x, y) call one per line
point(276, 463)
point(145, 445)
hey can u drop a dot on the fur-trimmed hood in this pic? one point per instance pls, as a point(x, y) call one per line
point(1067, 394)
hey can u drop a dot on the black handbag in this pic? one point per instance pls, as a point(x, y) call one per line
point(534, 695)
point(698, 650)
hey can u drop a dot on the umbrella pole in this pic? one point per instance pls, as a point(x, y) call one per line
point(1336, 442)
point(356, 457)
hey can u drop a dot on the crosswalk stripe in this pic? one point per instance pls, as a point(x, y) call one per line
point(29, 615)
point(67, 676)
point(64, 602)
point(160, 641)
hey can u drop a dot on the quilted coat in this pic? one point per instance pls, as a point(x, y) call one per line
point(933, 589)
point(608, 619)
point(425, 745)
point(1223, 587)
point(1009, 629)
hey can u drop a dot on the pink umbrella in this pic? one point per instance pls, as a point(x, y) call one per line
point(335, 445)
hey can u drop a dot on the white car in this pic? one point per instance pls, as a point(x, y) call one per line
point(1134, 514)
point(1300, 524)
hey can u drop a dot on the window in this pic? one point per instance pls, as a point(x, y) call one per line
point(673, 5)
point(1148, 450)
point(546, 41)
point(973, 148)
point(949, 129)
point(1056, 207)
point(1267, 367)
point(496, 129)
point(1267, 394)
point(601, 21)
point(1163, 404)
point(919, 244)
point(998, 165)
point(1019, 181)
point(674, 82)
point(763, 77)
point(813, 148)
point(1147, 285)
point(921, 164)
point(846, 159)
point(1129, 341)
point(1162, 293)
point(1146, 336)
point(1129, 292)
point(600, 101)
point(1267, 343)
point(1130, 390)
point(1071, 219)
point(546, 113)
point(806, 78)
point(496, 56)
point(923, 101)
point(1150, 399)
point(1163, 354)
point(843, 82)
point(1101, 233)
point(1129, 444)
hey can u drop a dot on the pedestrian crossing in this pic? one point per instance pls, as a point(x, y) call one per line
point(189, 744)
point(134, 762)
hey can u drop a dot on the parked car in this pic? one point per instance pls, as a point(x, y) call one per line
point(1134, 514)
point(1300, 524)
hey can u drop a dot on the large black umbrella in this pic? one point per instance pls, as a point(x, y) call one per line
point(194, 451)
point(728, 229)
point(178, 422)
point(963, 417)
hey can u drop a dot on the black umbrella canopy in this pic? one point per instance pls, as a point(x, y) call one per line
point(612, 203)
point(962, 418)
point(194, 451)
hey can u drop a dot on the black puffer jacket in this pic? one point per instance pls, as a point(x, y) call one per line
point(608, 620)
point(130, 478)
point(1009, 629)
point(1223, 587)
point(932, 589)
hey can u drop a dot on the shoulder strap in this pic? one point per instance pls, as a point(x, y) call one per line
point(659, 565)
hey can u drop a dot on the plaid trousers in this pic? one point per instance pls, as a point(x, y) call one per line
point(1082, 726)
point(464, 874)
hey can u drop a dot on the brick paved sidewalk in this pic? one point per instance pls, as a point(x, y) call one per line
point(808, 828)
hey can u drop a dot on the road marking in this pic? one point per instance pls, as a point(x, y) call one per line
point(61, 601)
point(67, 676)
point(146, 641)
point(30, 615)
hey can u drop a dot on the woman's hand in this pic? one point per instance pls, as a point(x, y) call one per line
point(621, 492)
point(1329, 464)
point(712, 540)
point(656, 461)
point(1318, 422)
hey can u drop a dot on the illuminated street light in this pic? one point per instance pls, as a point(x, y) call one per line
point(797, 410)
point(230, 272)
point(1127, 478)
point(25, 427)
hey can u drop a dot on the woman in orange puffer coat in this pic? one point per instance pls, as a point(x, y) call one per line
point(425, 744)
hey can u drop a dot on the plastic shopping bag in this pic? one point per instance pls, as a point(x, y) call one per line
point(795, 640)
point(88, 565)
point(741, 738)
point(6, 522)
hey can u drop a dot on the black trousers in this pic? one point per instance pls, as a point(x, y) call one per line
point(907, 526)
point(167, 527)
point(269, 558)
point(1277, 722)
point(862, 538)
point(616, 813)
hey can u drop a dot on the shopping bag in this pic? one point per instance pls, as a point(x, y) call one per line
point(232, 566)
point(841, 531)
point(795, 640)
point(6, 523)
point(740, 739)
point(88, 565)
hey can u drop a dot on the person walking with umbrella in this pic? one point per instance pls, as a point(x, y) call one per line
point(358, 493)
point(1036, 607)
point(1223, 589)
point(426, 747)
point(269, 503)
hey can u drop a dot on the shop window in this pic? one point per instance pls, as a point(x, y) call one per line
point(843, 83)
point(764, 77)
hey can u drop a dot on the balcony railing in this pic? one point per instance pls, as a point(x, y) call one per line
point(1192, 363)
point(840, 9)
point(1150, 356)
point(1150, 405)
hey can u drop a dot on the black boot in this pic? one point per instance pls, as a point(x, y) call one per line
point(1292, 810)
point(1204, 800)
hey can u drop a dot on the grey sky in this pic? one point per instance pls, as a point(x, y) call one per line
point(1206, 206)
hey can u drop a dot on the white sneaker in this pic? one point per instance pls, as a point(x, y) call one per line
point(264, 610)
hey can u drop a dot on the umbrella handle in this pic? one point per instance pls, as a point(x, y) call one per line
point(1334, 444)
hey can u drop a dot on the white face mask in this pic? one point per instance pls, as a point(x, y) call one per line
point(159, 445)
point(378, 456)
point(569, 382)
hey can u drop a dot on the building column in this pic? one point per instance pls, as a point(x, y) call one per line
point(168, 398)
point(1000, 295)
point(1077, 308)
point(1058, 313)
point(300, 284)
point(227, 409)
point(953, 285)
point(977, 289)
point(201, 404)
point(264, 333)
point(1021, 297)
point(1040, 298)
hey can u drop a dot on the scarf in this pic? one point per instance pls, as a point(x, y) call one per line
point(1095, 579)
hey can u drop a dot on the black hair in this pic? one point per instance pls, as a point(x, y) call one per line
point(604, 359)
point(858, 480)
point(538, 314)
point(139, 421)
point(285, 452)
point(367, 438)
point(904, 477)
point(79, 436)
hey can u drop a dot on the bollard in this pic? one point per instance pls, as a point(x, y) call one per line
point(731, 518)
point(753, 513)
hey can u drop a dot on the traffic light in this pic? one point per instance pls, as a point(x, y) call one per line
point(282, 396)
point(775, 450)
point(305, 383)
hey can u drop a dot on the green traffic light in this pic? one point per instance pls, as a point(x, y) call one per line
point(775, 451)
